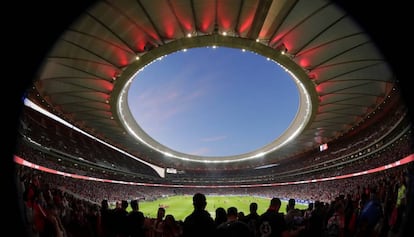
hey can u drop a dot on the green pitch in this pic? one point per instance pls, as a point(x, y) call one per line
point(181, 206)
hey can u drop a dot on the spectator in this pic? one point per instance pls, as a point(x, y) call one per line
point(136, 220)
point(233, 227)
point(171, 227)
point(336, 223)
point(315, 225)
point(53, 225)
point(294, 217)
point(105, 221)
point(272, 223)
point(158, 225)
point(371, 216)
point(199, 223)
point(252, 219)
point(221, 216)
point(400, 203)
point(121, 219)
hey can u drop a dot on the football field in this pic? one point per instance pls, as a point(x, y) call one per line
point(181, 206)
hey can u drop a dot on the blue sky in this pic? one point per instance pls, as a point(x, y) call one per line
point(213, 101)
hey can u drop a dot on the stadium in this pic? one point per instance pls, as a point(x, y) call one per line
point(350, 139)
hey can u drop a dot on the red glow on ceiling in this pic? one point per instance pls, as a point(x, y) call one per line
point(108, 97)
point(168, 21)
point(247, 16)
point(150, 31)
point(106, 72)
point(137, 39)
point(144, 31)
point(226, 24)
point(188, 26)
point(111, 73)
point(319, 72)
point(310, 55)
point(304, 62)
point(275, 40)
point(312, 76)
point(169, 29)
point(133, 37)
point(106, 107)
point(226, 15)
point(205, 25)
point(288, 45)
point(183, 15)
point(107, 85)
point(103, 114)
point(117, 53)
point(246, 24)
point(206, 13)
point(319, 88)
point(140, 45)
point(292, 39)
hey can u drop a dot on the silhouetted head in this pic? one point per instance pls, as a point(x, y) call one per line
point(253, 207)
point(199, 201)
point(221, 215)
point(134, 204)
point(290, 205)
point(161, 213)
point(232, 211)
point(124, 204)
point(275, 203)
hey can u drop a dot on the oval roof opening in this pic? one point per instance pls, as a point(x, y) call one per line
point(213, 102)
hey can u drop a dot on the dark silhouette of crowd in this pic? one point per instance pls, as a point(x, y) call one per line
point(373, 205)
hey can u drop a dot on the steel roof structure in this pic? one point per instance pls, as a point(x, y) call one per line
point(342, 72)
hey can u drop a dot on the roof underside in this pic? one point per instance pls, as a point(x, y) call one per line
point(84, 72)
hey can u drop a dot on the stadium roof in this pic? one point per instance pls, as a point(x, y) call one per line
point(343, 75)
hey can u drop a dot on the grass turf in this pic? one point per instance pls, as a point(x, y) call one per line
point(181, 206)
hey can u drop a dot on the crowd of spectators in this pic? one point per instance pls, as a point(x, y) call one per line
point(53, 138)
point(72, 151)
point(52, 202)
